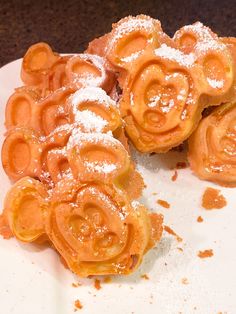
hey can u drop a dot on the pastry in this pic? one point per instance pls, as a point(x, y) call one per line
point(24, 209)
point(212, 147)
point(97, 230)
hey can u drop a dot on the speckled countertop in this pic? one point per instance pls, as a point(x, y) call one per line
point(69, 25)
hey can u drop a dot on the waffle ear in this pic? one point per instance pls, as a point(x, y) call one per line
point(24, 208)
point(37, 63)
point(92, 110)
point(97, 157)
point(20, 106)
point(132, 36)
point(84, 70)
point(21, 153)
point(51, 112)
point(210, 53)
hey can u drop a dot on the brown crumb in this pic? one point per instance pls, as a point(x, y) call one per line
point(154, 193)
point(180, 249)
point(172, 232)
point(185, 281)
point(76, 285)
point(212, 199)
point(163, 203)
point(145, 276)
point(205, 253)
point(107, 279)
point(181, 165)
point(175, 176)
point(199, 219)
point(97, 284)
point(78, 305)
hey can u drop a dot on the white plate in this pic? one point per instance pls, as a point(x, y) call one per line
point(35, 282)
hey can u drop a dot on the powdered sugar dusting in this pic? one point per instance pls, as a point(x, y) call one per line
point(90, 122)
point(176, 55)
point(102, 167)
point(215, 83)
point(131, 99)
point(153, 101)
point(78, 138)
point(90, 79)
point(59, 131)
point(91, 94)
point(135, 204)
point(205, 39)
point(132, 57)
point(132, 24)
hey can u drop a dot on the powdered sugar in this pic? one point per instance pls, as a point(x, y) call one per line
point(78, 138)
point(89, 122)
point(168, 107)
point(135, 204)
point(131, 99)
point(86, 78)
point(153, 101)
point(205, 39)
point(61, 109)
point(101, 167)
point(87, 119)
point(131, 24)
point(91, 94)
point(60, 131)
point(215, 83)
point(175, 55)
point(132, 57)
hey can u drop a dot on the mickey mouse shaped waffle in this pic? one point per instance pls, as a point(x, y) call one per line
point(167, 83)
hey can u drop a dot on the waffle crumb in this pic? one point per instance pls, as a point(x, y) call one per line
point(172, 232)
point(212, 199)
point(145, 276)
point(199, 219)
point(78, 305)
point(163, 203)
point(205, 253)
point(184, 281)
point(97, 284)
point(75, 285)
point(174, 176)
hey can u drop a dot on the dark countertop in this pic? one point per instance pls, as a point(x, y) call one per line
point(69, 25)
